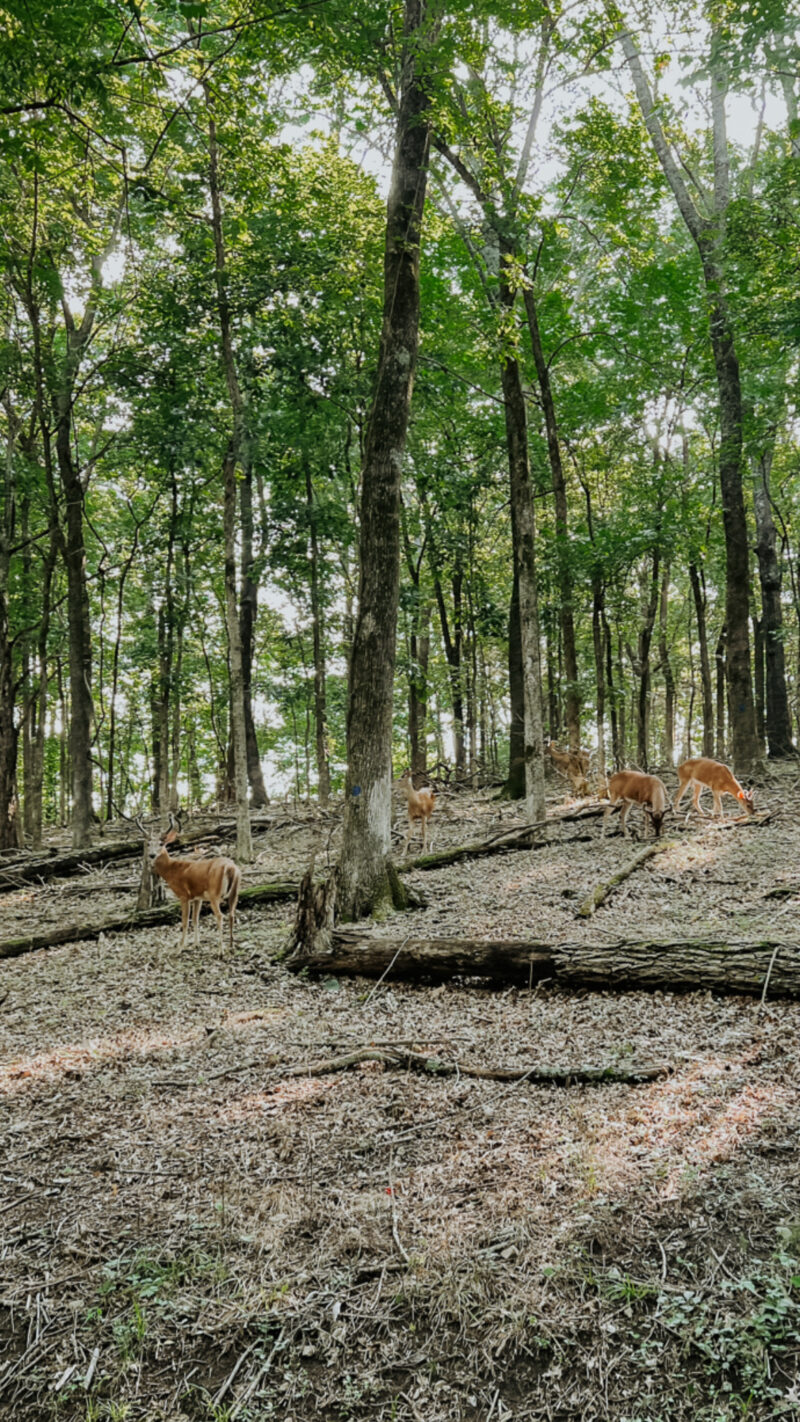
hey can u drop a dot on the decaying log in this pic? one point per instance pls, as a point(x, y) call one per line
point(673, 965)
point(601, 892)
point(352, 952)
point(126, 923)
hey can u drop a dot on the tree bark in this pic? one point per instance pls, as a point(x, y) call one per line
point(515, 784)
point(365, 876)
point(778, 720)
point(572, 704)
point(523, 538)
point(666, 670)
point(698, 593)
point(320, 703)
point(708, 233)
point(237, 455)
point(683, 965)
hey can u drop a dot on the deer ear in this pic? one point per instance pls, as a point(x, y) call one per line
point(170, 836)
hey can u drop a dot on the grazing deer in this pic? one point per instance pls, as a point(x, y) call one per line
point(703, 773)
point(574, 765)
point(633, 788)
point(421, 805)
point(193, 880)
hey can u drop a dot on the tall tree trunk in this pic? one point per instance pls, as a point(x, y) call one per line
point(515, 784)
point(572, 704)
point(708, 234)
point(248, 613)
point(237, 455)
point(320, 705)
point(666, 669)
point(80, 633)
point(523, 539)
point(719, 657)
point(778, 720)
point(698, 593)
point(365, 875)
point(758, 677)
point(640, 661)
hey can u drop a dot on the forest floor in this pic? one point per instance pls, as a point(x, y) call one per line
point(189, 1231)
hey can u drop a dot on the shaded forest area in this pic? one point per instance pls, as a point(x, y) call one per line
point(404, 388)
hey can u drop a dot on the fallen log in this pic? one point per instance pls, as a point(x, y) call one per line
point(126, 923)
point(447, 1066)
point(502, 841)
point(681, 965)
point(602, 892)
point(32, 870)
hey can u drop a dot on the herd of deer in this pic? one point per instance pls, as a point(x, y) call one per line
point(216, 881)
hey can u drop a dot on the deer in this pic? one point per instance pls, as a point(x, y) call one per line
point(634, 788)
point(421, 805)
point(573, 764)
point(703, 773)
point(192, 880)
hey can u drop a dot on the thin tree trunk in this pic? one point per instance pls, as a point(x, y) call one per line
point(572, 705)
point(698, 593)
point(237, 455)
point(666, 668)
point(778, 720)
point(320, 706)
point(523, 539)
point(719, 657)
point(708, 233)
point(515, 784)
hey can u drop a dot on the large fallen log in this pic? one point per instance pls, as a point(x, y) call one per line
point(126, 923)
point(678, 964)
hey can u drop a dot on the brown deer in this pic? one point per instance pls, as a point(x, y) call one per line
point(192, 880)
point(421, 805)
point(574, 765)
point(634, 788)
point(705, 774)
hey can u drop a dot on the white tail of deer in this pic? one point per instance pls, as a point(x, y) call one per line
point(194, 880)
point(633, 788)
point(421, 805)
point(702, 774)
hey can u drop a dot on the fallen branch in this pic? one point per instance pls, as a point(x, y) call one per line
point(601, 892)
point(443, 1066)
point(126, 923)
point(678, 964)
point(502, 841)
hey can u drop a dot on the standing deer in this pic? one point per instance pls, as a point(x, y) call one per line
point(193, 880)
point(703, 773)
point(574, 765)
point(633, 788)
point(421, 805)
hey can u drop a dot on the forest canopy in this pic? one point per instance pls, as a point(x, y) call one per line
point(597, 498)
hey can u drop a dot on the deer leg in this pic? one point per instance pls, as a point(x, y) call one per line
point(217, 912)
point(626, 804)
point(698, 790)
point(682, 788)
point(718, 810)
point(608, 809)
point(184, 922)
point(195, 907)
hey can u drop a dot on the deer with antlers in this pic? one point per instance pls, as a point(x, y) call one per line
point(705, 774)
point(192, 881)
